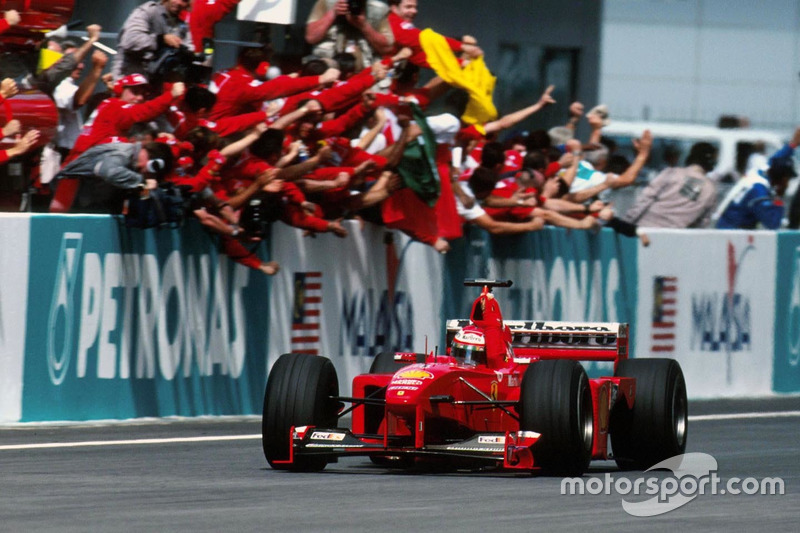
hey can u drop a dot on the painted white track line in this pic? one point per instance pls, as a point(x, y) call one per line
point(223, 438)
point(743, 416)
point(132, 442)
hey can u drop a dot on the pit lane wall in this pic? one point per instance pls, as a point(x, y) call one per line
point(709, 299)
point(98, 321)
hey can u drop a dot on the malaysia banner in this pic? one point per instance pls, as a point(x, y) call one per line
point(306, 312)
point(665, 291)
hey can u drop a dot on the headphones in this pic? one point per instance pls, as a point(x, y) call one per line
point(154, 166)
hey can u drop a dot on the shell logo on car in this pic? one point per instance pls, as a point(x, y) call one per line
point(414, 374)
point(416, 382)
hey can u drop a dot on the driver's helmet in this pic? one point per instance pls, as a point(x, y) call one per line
point(469, 346)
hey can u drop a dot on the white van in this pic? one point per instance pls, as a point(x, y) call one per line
point(672, 142)
point(671, 145)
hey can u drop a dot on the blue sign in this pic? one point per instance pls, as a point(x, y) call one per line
point(139, 323)
point(786, 368)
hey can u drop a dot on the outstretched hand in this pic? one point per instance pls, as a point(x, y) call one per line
point(12, 17)
point(11, 128)
point(546, 98)
point(644, 143)
point(8, 88)
point(473, 51)
point(337, 229)
point(24, 143)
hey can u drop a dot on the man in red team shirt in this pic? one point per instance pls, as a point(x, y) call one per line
point(193, 111)
point(401, 20)
point(344, 94)
point(114, 116)
point(110, 123)
point(242, 89)
point(204, 16)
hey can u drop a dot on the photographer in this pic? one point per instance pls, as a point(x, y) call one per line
point(109, 173)
point(149, 30)
point(358, 27)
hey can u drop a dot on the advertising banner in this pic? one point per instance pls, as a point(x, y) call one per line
point(126, 323)
point(14, 264)
point(99, 321)
point(350, 299)
point(787, 314)
point(706, 300)
point(558, 274)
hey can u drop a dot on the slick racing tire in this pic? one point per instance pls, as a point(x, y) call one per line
point(556, 401)
point(299, 391)
point(384, 363)
point(656, 428)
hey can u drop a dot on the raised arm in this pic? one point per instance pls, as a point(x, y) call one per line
point(87, 86)
point(643, 147)
point(512, 119)
point(321, 19)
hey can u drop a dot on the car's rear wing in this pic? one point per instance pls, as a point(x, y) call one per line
point(582, 341)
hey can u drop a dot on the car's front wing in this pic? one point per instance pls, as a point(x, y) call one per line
point(509, 450)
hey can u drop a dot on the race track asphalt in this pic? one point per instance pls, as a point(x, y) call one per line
point(210, 475)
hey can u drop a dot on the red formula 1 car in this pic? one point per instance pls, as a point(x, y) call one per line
point(509, 394)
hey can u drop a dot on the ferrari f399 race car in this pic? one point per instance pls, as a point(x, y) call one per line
point(507, 394)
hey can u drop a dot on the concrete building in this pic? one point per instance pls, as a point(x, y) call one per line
point(696, 60)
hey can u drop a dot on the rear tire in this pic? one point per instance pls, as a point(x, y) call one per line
point(298, 393)
point(657, 426)
point(556, 401)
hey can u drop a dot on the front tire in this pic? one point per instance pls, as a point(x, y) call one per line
point(657, 426)
point(556, 401)
point(298, 393)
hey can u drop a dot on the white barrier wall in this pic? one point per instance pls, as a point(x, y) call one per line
point(99, 321)
point(14, 264)
point(349, 299)
point(706, 299)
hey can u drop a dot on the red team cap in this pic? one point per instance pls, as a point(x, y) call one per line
point(262, 68)
point(131, 80)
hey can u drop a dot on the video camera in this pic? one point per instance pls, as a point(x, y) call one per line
point(181, 64)
point(356, 7)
